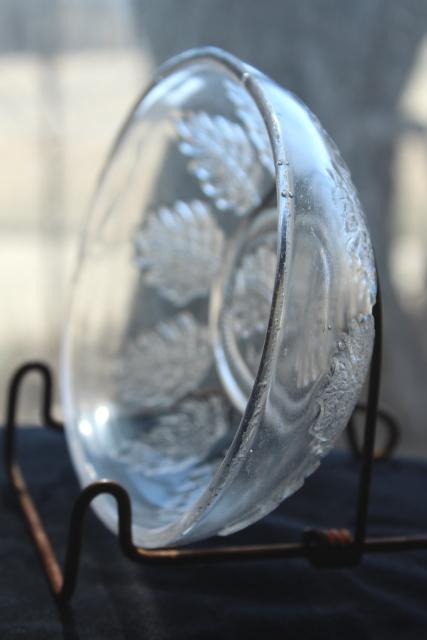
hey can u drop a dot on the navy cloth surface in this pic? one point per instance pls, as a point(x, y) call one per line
point(384, 597)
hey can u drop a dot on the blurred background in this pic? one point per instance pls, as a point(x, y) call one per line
point(70, 71)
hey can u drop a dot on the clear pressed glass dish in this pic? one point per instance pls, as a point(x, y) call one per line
point(220, 326)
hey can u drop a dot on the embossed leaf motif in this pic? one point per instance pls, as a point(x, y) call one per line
point(360, 262)
point(222, 159)
point(349, 365)
point(253, 291)
point(307, 318)
point(308, 341)
point(312, 313)
point(180, 249)
point(255, 126)
point(195, 424)
point(163, 365)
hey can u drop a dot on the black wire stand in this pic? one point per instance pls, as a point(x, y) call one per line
point(322, 548)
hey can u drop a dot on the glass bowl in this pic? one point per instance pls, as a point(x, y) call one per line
point(220, 326)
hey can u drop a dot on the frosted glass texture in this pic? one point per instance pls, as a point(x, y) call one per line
point(220, 327)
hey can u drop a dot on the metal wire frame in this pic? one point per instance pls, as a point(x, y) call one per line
point(330, 548)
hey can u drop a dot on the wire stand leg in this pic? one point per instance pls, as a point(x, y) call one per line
point(370, 428)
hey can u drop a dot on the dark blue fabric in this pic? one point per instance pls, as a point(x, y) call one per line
point(384, 597)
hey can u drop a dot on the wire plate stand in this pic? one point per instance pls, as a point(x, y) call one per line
point(322, 548)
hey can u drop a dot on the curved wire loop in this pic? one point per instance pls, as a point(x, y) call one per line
point(388, 426)
point(14, 391)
